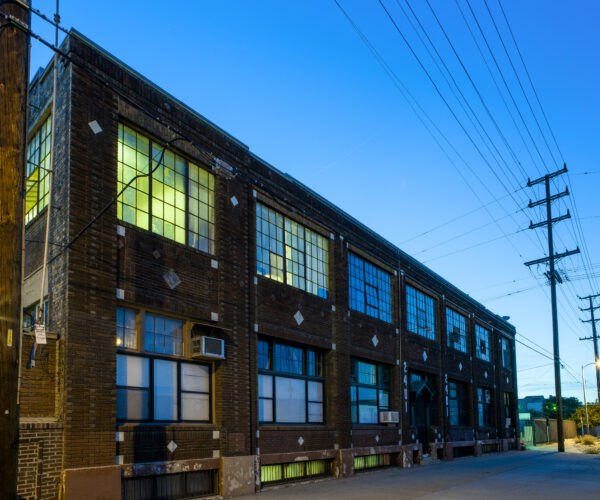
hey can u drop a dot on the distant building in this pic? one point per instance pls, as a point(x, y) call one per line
point(532, 404)
point(221, 327)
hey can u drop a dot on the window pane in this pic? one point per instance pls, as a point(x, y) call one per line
point(265, 386)
point(366, 373)
point(420, 313)
point(133, 371)
point(456, 325)
point(354, 404)
point(201, 202)
point(265, 410)
point(315, 391)
point(37, 184)
point(263, 355)
point(384, 400)
point(132, 404)
point(367, 405)
point(165, 390)
point(195, 406)
point(289, 359)
point(290, 400)
point(126, 328)
point(315, 412)
point(483, 342)
point(163, 335)
point(195, 378)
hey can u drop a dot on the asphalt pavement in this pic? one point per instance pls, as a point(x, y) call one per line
point(516, 474)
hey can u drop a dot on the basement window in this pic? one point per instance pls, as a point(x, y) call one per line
point(294, 471)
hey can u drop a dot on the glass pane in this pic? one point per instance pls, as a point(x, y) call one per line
point(195, 406)
point(132, 404)
point(165, 390)
point(367, 405)
point(195, 378)
point(265, 410)
point(290, 400)
point(133, 371)
point(265, 386)
point(315, 412)
point(315, 391)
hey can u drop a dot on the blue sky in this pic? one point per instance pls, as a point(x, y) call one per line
point(294, 82)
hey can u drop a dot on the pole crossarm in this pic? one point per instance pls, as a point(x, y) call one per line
point(551, 221)
point(586, 338)
point(547, 176)
point(555, 257)
point(589, 320)
point(588, 297)
point(552, 198)
point(589, 308)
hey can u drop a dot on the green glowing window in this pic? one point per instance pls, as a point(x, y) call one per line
point(132, 160)
point(179, 201)
point(38, 166)
point(168, 195)
point(294, 470)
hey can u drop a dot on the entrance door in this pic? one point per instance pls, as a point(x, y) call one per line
point(423, 405)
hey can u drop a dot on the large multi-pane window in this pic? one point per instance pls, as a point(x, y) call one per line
point(456, 327)
point(156, 386)
point(290, 253)
point(484, 406)
point(420, 313)
point(369, 391)
point(290, 384)
point(458, 403)
point(37, 170)
point(506, 353)
point(483, 343)
point(162, 389)
point(176, 201)
point(370, 289)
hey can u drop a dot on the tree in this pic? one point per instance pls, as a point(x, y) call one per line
point(570, 406)
point(593, 415)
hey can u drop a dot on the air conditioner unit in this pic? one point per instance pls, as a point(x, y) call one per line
point(389, 417)
point(208, 347)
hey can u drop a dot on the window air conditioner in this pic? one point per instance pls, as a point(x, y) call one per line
point(208, 347)
point(389, 417)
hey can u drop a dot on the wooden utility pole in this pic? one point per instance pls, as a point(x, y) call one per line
point(552, 257)
point(14, 74)
point(594, 336)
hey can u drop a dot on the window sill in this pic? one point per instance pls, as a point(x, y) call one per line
point(294, 427)
point(205, 426)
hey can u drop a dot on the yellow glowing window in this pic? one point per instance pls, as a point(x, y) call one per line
point(132, 160)
point(37, 184)
point(178, 202)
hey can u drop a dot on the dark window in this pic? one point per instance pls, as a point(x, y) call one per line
point(509, 408)
point(171, 486)
point(458, 403)
point(162, 389)
point(369, 391)
point(420, 313)
point(289, 252)
point(126, 328)
point(292, 390)
point(370, 289)
point(506, 353)
point(163, 335)
point(456, 326)
point(484, 406)
point(482, 339)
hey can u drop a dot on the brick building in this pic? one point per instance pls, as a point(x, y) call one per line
point(220, 327)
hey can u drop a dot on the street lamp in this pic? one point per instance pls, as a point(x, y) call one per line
point(587, 422)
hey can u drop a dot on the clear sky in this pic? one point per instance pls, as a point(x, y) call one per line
point(294, 82)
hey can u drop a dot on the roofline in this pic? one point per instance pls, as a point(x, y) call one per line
point(331, 206)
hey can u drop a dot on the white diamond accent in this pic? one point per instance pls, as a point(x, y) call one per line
point(424, 356)
point(172, 446)
point(377, 438)
point(485, 374)
point(298, 317)
point(507, 380)
point(234, 201)
point(375, 340)
point(460, 367)
point(300, 440)
point(95, 126)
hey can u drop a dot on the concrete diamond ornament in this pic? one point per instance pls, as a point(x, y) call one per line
point(300, 440)
point(172, 446)
point(460, 367)
point(485, 374)
point(299, 318)
point(424, 356)
point(375, 340)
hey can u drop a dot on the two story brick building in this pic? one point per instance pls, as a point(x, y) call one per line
point(213, 325)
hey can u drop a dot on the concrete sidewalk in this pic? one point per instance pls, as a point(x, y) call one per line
point(516, 474)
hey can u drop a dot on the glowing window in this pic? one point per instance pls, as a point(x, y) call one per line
point(37, 185)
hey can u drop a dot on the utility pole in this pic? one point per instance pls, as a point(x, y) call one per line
point(552, 257)
point(14, 75)
point(594, 336)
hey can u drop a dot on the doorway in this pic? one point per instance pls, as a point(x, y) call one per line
point(423, 406)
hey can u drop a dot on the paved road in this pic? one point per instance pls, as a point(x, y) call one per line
point(516, 474)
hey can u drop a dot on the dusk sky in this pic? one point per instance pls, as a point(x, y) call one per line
point(296, 83)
